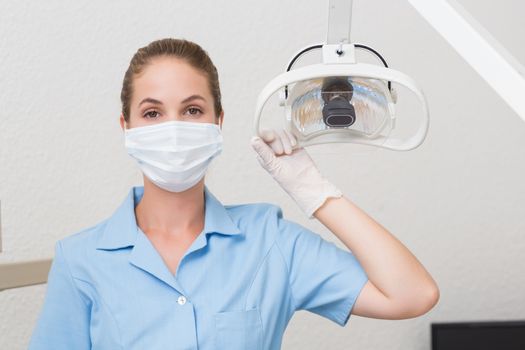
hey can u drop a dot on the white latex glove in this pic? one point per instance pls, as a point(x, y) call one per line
point(293, 169)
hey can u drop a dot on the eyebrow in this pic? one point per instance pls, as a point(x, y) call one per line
point(193, 97)
point(187, 99)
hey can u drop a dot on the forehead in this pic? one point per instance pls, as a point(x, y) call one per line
point(170, 76)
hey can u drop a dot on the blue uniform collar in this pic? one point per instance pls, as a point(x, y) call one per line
point(121, 228)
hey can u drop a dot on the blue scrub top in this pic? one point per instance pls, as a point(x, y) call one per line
point(236, 287)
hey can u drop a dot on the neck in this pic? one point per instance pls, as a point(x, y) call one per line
point(173, 213)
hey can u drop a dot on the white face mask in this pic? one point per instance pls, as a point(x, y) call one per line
point(175, 154)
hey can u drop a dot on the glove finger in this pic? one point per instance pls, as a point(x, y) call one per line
point(260, 160)
point(264, 151)
point(283, 136)
point(268, 135)
point(271, 138)
point(276, 144)
point(293, 139)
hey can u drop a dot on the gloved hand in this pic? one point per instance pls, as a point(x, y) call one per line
point(294, 170)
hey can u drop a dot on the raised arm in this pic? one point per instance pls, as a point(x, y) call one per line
point(399, 287)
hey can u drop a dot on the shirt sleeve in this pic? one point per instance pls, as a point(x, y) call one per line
point(324, 279)
point(63, 322)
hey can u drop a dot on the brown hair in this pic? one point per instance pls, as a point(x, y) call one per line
point(179, 48)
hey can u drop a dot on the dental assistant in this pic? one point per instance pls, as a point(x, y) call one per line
point(174, 268)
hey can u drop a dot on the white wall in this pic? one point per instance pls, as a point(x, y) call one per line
point(456, 202)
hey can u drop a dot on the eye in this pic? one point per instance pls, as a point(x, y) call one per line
point(194, 111)
point(151, 114)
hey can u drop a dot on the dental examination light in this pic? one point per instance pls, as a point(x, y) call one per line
point(340, 100)
point(481, 51)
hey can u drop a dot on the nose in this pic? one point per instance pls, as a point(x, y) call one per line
point(175, 116)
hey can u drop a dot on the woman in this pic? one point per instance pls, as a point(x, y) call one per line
point(173, 268)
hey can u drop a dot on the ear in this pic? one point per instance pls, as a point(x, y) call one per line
point(221, 118)
point(122, 122)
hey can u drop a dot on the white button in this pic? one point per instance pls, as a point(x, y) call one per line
point(181, 300)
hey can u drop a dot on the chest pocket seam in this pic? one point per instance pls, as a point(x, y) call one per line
point(244, 328)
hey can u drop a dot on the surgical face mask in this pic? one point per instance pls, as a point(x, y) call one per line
point(175, 154)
